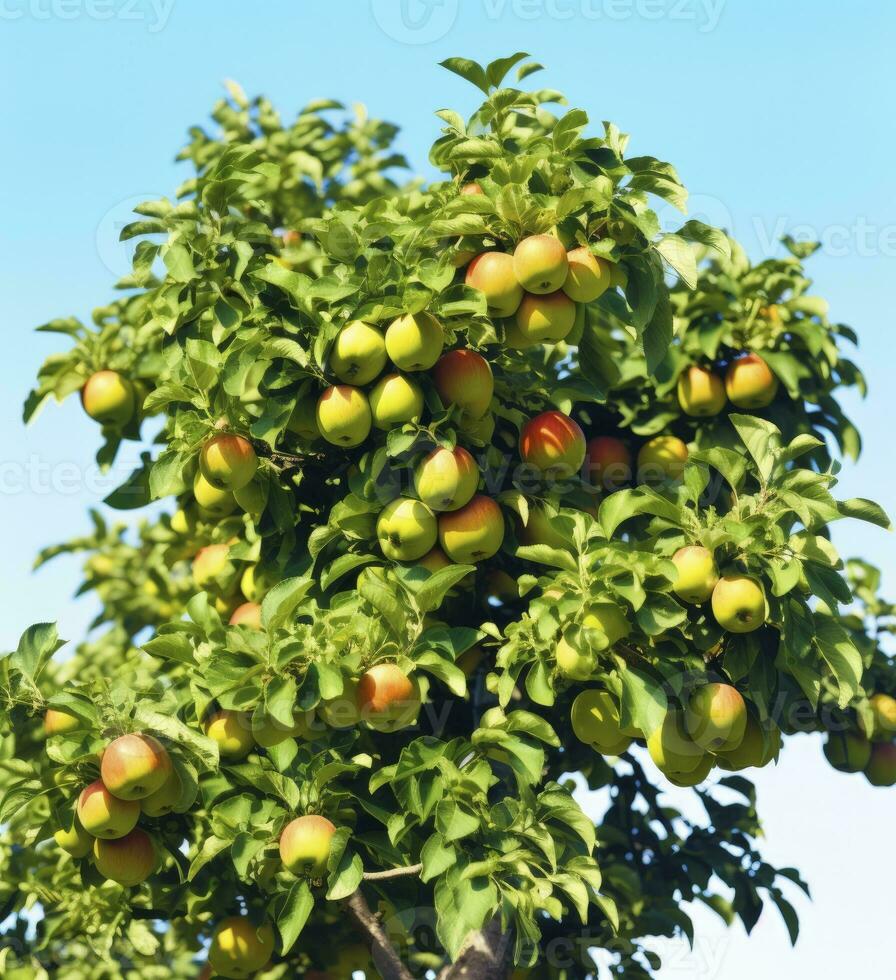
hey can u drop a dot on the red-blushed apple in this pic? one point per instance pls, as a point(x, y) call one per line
point(553, 443)
point(738, 603)
point(492, 274)
point(358, 354)
point(608, 462)
point(127, 860)
point(716, 717)
point(464, 378)
point(394, 400)
point(540, 264)
point(698, 574)
point(588, 277)
point(134, 766)
point(228, 461)
point(546, 318)
point(414, 341)
point(446, 479)
point(343, 416)
point(701, 392)
point(470, 188)
point(387, 698)
point(248, 614)
point(473, 533)
point(662, 458)
point(104, 815)
point(232, 731)
point(406, 529)
point(109, 398)
point(240, 947)
point(305, 845)
point(750, 383)
point(209, 563)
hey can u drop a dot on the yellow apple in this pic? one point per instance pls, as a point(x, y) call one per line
point(210, 563)
point(738, 603)
point(109, 398)
point(240, 948)
point(446, 479)
point(395, 400)
point(358, 354)
point(672, 751)
point(305, 845)
point(388, 699)
point(212, 501)
point(414, 341)
point(595, 721)
point(883, 710)
point(492, 274)
point(58, 722)
point(540, 264)
point(697, 573)
point(464, 378)
point(662, 458)
point(761, 743)
point(228, 462)
point(609, 619)
point(104, 815)
point(716, 717)
point(473, 533)
point(343, 416)
point(588, 276)
point(750, 383)
point(232, 731)
point(406, 529)
point(574, 662)
point(74, 839)
point(545, 318)
point(701, 393)
point(247, 614)
point(164, 799)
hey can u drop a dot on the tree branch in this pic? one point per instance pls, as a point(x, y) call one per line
point(387, 960)
point(412, 869)
point(483, 956)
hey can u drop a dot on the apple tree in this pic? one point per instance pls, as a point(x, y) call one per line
point(463, 500)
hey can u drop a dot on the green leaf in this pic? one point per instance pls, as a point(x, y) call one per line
point(865, 510)
point(293, 914)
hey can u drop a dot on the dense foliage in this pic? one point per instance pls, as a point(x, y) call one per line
point(482, 491)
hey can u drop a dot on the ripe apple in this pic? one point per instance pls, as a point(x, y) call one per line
point(608, 462)
point(595, 721)
point(847, 751)
point(716, 717)
point(358, 354)
point(74, 839)
point(540, 264)
point(305, 845)
point(588, 276)
point(574, 662)
point(395, 400)
point(697, 573)
point(210, 562)
point(609, 619)
point(761, 743)
point(492, 274)
point(240, 948)
point(109, 398)
point(406, 529)
point(343, 416)
point(881, 768)
point(271, 732)
point(883, 710)
point(228, 461)
point(750, 383)
point(388, 699)
point(471, 188)
point(663, 458)
point(212, 501)
point(738, 603)
point(248, 614)
point(672, 751)
point(57, 722)
point(701, 392)
point(165, 799)
point(414, 341)
point(128, 860)
point(232, 730)
point(104, 815)
point(545, 318)
point(134, 766)
point(473, 533)
point(446, 479)
point(303, 420)
point(553, 443)
point(464, 378)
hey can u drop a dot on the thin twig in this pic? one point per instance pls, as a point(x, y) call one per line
point(412, 869)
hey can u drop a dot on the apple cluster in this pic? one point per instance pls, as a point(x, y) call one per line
point(872, 748)
point(748, 383)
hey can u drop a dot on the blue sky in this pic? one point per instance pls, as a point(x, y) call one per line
point(770, 111)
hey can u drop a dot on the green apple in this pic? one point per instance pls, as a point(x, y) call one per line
point(588, 277)
point(540, 264)
point(446, 479)
point(545, 319)
point(697, 573)
point(595, 721)
point(848, 751)
point(414, 341)
point(395, 400)
point(738, 603)
point(716, 717)
point(343, 416)
point(358, 354)
point(406, 529)
point(109, 398)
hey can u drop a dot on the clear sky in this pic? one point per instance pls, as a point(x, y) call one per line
point(776, 115)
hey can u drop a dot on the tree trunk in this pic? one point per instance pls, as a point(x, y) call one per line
point(483, 957)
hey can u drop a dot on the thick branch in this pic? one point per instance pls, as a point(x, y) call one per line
point(387, 960)
point(483, 957)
